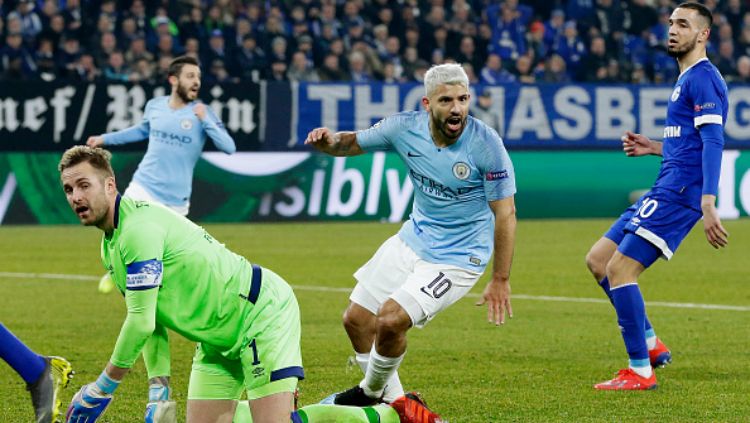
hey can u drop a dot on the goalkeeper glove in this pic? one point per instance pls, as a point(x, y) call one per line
point(160, 408)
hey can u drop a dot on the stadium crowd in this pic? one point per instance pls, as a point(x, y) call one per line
point(601, 41)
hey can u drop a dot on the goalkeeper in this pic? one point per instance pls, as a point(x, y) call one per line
point(174, 275)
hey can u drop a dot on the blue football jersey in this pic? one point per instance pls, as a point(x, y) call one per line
point(451, 221)
point(699, 98)
point(175, 141)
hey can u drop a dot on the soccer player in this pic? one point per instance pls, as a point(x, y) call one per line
point(685, 190)
point(174, 275)
point(463, 211)
point(45, 376)
point(176, 127)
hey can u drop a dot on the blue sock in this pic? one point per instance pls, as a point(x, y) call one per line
point(604, 283)
point(28, 364)
point(631, 314)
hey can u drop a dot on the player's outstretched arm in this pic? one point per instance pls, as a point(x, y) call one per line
point(338, 144)
point(635, 145)
point(497, 292)
point(716, 235)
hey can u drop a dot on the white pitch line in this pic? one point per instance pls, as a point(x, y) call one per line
point(22, 275)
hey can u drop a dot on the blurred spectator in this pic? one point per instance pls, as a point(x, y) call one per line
point(73, 17)
point(331, 71)
point(31, 25)
point(535, 40)
point(143, 71)
point(68, 56)
point(609, 20)
point(553, 28)
point(570, 47)
point(45, 60)
point(137, 51)
point(279, 50)
point(389, 75)
point(300, 69)
point(638, 75)
point(358, 72)
point(493, 73)
point(85, 69)
point(484, 111)
point(743, 71)
point(17, 62)
point(467, 52)
point(554, 71)
point(116, 70)
point(251, 59)
point(101, 51)
point(595, 60)
point(218, 72)
point(725, 61)
point(193, 48)
point(277, 71)
point(137, 12)
point(642, 16)
point(127, 33)
point(524, 70)
point(508, 32)
point(193, 26)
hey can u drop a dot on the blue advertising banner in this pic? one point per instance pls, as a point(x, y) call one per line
point(580, 116)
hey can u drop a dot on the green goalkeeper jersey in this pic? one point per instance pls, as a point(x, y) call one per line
point(174, 275)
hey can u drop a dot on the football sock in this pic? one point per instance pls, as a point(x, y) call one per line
point(650, 334)
point(393, 388)
point(28, 364)
point(318, 413)
point(650, 338)
point(379, 371)
point(631, 313)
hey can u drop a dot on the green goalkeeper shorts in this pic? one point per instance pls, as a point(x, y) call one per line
point(270, 361)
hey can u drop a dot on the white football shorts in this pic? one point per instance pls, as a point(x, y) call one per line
point(137, 192)
point(422, 288)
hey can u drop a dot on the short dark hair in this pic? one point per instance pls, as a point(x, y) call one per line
point(701, 9)
point(98, 158)
point(175, 67)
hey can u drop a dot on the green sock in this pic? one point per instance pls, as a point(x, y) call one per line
point(326, 413)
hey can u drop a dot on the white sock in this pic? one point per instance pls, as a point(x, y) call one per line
point(651, 342)
point(645, 371)
point(379, 372)
point(393, 387)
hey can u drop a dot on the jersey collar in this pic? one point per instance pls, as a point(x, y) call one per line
point(691, 66)
point(117, 211)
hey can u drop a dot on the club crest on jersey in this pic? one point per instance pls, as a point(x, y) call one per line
point(186, 124)
point(461, 170)
point(676, 92)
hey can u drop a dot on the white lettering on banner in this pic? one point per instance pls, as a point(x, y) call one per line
point(33, 109)
point(125, 107)
point(60, 103)
point(738, 116)
point(529, 116)
point(339, 178)
point(329, 96)
point(240, 117)
point(613, 105)
point(367, 112)
point(316, 192)
point(725, 202)
point(83, 116)
point(376, 179)
point(399, 195)
point(653, 110)
point(498, 107)
point(293, 207)
point(569, 103)
point(744, 189)
point(9, 115)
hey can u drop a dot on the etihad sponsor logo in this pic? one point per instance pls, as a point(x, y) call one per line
point(169, 137)
point(672, 131)
point(430, 186)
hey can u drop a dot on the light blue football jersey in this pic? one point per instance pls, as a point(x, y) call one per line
point(175, 142)
point(699, 98)
point(451, 221)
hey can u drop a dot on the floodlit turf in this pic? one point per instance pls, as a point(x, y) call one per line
point(539, 367)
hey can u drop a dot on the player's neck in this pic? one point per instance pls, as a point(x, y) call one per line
point(691, 58)
point(175, 102)
point(438, 139)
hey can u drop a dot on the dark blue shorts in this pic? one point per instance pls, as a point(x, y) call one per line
point(660, 221)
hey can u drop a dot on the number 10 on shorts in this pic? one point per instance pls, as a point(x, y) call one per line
point(438, 287)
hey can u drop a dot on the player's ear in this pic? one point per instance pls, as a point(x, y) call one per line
point(426, 103)
point(109, 185)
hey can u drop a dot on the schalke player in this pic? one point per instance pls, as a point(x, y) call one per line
point(463, 211)
point(176, 127)
point(45, 376)
point(685, 190)
point(174, 275)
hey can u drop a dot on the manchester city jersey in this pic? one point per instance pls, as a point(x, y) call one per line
point(451, 221)
point(699, 98)
point(175, 141)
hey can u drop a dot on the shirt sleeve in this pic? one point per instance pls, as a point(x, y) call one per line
point(708, 100)
point(495, 166)
point(142, 250)
point(217, 132)
point(156, 355)
point(135, 133)
point(381, 135)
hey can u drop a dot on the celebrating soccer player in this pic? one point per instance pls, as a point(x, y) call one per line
point(174, 275)
point(685, 190)
point(176, 127)
point(463, 207)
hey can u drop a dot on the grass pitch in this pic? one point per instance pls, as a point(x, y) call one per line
point(539, 367)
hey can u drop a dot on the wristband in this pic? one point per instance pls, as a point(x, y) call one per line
point(106, 384)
